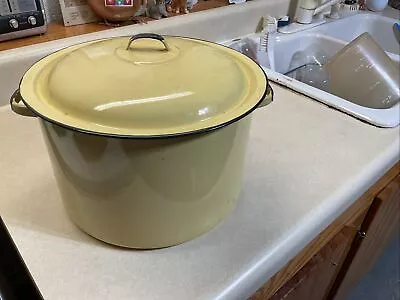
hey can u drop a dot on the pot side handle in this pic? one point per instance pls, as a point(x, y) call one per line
point(18, 106)
point(269, 97)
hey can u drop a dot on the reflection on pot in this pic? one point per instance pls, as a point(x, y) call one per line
point(89, 163)
point(140, 192)
point(183, 168)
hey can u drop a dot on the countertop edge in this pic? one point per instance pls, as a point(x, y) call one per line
point(312, 225)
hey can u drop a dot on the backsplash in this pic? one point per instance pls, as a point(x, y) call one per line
point(53, 11)
point(76, 12)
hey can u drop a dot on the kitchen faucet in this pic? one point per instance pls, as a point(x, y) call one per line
point(307, 10)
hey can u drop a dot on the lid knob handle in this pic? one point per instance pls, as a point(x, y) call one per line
point(153, 36)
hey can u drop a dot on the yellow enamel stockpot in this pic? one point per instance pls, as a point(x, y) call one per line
point(147, 135)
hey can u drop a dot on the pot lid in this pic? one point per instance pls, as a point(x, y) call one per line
point(143, 86)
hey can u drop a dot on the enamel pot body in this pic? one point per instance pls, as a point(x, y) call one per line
point(148, 193)
point(145, 166)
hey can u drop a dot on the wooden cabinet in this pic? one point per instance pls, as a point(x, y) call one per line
point(380, 226)
point(315, 278)
point(333, 263)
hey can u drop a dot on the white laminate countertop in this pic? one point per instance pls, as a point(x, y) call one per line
point(306, 163)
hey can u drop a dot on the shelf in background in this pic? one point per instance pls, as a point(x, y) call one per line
point(59, 31)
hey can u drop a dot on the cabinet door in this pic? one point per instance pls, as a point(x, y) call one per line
point(319, 269)
point(381, 224)
point(314, 280)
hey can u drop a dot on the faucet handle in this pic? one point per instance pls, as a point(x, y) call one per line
point(304, 15)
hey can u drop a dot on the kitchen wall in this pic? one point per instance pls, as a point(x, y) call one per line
point(53, 10)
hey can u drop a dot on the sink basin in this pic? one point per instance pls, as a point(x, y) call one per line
point(329, 38)
point(381, 28)
point(287, 46)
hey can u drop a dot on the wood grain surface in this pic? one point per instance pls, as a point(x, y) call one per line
point(59, 31)
point(381, 225)
point(316, 277)
point(351, 218)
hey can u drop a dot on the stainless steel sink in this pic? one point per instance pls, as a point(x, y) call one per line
point(329, 38)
